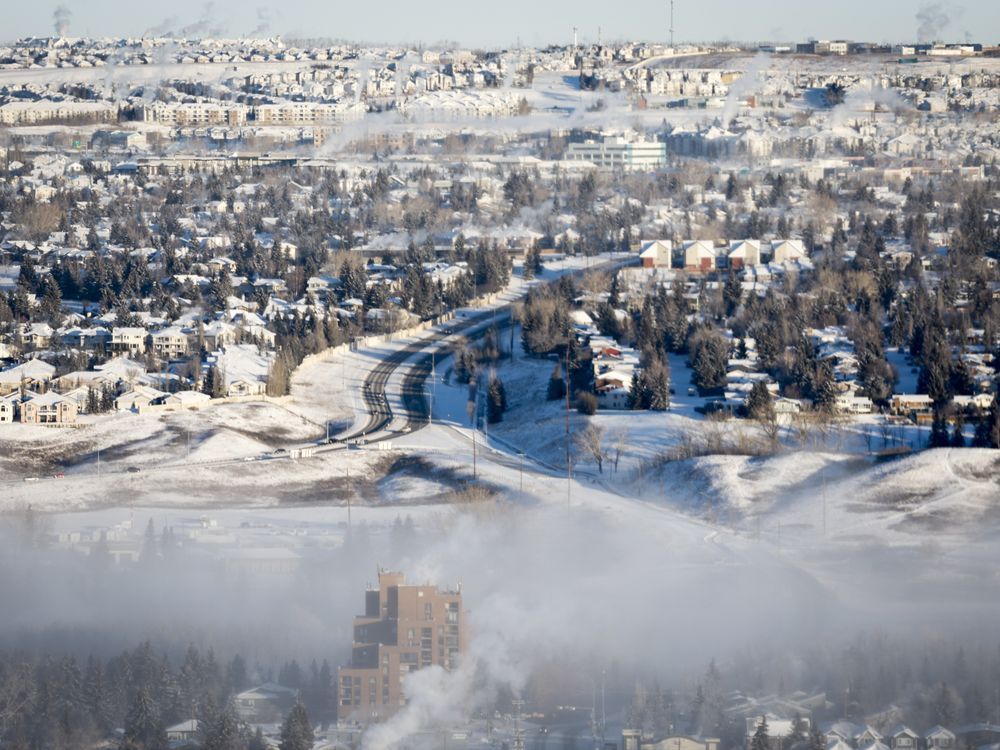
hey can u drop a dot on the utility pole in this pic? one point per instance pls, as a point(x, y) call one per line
point(348, 500)
point(569, 471)
point(518, 743)
point(604, 712)
point(824, 506)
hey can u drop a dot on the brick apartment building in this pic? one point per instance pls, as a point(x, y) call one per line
point(404, 628)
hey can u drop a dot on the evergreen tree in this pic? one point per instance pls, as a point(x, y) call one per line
point(557, 386)
point(711, 354)
point(732, 292)
point(939, 431)
point(760, 739)
point(657, 377)
point(296, 732)
point(496, 400)
point(759, 404)
point(225, 731)
point(143, 728)
point(51, 303)
point(957, 438)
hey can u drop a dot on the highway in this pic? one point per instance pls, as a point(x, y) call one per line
point(422, 352)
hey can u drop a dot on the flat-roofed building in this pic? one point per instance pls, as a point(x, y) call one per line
point(404, 628)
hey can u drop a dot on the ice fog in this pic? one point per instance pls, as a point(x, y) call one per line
point(549, 589)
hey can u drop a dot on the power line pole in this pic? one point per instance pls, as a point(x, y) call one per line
point(518, 743)
point(569, 471)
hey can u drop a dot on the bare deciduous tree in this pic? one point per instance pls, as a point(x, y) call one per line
point(591, 442)
point(621, 443)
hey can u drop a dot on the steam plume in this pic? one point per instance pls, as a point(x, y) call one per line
point(60, 20)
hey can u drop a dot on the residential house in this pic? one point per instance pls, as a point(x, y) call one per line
point(243, 367)
point(8, 406)
point(122, 369)
point(783, 251)
point(128, 339)
point(778, 730)
point(170, 343)
point(901, 737)
point(699, 255)
point(186, 731)
point(848, 403)
point(186, 399)
point(264, 704)
point(911, 404)
point(49, 408)
point(867, 736)
point(218, 334)
point(744, 253)
point(138, 398)
point(844, 731)
point(34, 374)
point(939, 738)
point(36, 335)
point(657, 254)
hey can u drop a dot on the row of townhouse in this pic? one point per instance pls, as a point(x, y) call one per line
point(209, 113)
point(170, 342)
point(705, 255)
point(846, 735)
point(31, 392)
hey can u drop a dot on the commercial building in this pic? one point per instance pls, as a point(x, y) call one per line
point(615, 152)
point(404, 628)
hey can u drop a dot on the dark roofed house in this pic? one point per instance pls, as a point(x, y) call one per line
point(264, 704)
point(901, 737)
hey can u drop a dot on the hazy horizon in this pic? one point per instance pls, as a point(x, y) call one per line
point(520, 22)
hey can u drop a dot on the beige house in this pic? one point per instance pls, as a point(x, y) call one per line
point(783, 251)
point(49, 408)
point(744, 253)
point(656, 254)
point(7, 408)
point(170, 343)
point(128, 339)
point(699, 255)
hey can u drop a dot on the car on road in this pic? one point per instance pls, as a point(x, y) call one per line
point(279, 451)
point(692, 391)
point(31, 479)
point(59, 475)
point(249, 458)
point(133, 469)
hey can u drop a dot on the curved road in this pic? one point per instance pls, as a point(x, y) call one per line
point(413, 396)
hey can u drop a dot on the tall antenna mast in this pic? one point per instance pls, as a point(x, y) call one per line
point(671, 25)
